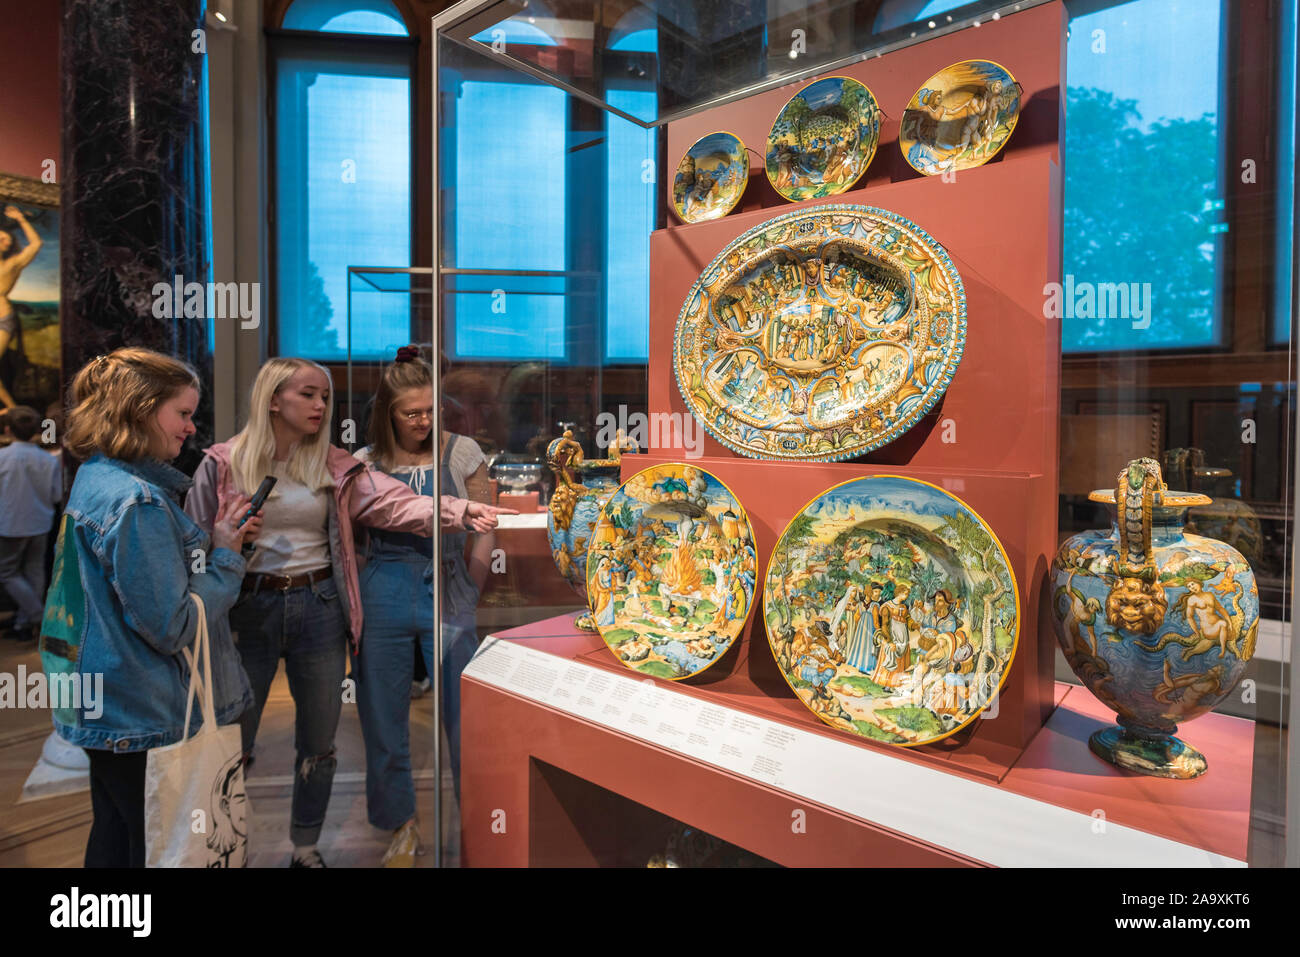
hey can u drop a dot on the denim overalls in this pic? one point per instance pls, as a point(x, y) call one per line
point(397, 594)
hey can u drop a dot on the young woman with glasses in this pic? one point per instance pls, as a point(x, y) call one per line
point(400, 567)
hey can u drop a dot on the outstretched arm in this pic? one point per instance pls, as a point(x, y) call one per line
point(33, 246)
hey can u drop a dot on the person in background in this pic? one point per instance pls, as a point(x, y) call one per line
point(300, 599)
point(396, 589)
point(119, 611)
point(31, 488)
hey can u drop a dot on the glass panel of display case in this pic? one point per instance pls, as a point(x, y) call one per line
point(561, 280)
point(695, 53)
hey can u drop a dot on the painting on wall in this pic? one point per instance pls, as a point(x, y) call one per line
point(29, 293)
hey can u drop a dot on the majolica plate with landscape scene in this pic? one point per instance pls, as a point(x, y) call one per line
point(671, 570)
point(891, 610)
point(960, 117)
point(710, 178)
point(823, 139)
point(820, 334)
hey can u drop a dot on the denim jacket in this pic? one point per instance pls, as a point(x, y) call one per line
point(119, 607)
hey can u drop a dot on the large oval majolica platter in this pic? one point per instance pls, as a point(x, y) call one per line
point(823, 139)
point(821, 334)
point(671, 570)
point(710, 178)
point(892, 610)
point(960, 117)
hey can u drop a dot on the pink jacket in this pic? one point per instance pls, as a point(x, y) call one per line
point(364, 496)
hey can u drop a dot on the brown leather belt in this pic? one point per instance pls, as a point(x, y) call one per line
point(256, 583)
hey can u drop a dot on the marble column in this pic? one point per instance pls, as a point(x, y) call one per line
point(134, 183)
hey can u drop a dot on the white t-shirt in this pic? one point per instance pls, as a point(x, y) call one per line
point(295, 529)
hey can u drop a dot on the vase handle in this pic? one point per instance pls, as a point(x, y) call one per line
point(1137, 489)
point(564, 456)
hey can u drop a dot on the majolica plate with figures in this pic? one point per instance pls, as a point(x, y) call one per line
point(670, 571)
point(823, 139)
point(892, 610)
point(960, 117)
point(710, 178)
point(820, 334)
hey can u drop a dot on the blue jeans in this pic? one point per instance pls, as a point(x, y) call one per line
point(306, 627)
point(22, 575)
point(396, 625)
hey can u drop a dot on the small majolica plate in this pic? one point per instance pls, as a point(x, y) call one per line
point(960, 117)
point(711, 178)
point(892, 610)
point(823, 140)
point(670, 571)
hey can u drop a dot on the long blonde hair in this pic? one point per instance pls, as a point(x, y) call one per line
point(252, 451)
point(114, 398)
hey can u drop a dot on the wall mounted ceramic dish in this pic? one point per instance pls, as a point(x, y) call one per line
point(892, 610)
point(821, 334)
point(670, 571)
point(823, 139)
point(710, 178)
point(960, 117)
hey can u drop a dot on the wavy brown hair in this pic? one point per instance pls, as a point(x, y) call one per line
point(114, 398)
point(399, 377)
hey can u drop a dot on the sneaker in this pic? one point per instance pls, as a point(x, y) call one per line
point(313, 859)
point(420, 688)
point(406, 844)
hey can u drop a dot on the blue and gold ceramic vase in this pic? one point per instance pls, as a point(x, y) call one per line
point(581, 488)
point(1157, 622)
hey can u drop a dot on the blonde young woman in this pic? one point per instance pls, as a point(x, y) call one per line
point(300, 598)
point(397, 590)
point(119, 607)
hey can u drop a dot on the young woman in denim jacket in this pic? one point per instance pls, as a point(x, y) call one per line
point(300, 599)
point(118, 609)
point(396, 588)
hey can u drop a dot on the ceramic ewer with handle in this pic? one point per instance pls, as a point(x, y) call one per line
point(582, 486)
point(1158, 623)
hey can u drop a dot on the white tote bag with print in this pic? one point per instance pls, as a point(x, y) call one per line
point(195, 808)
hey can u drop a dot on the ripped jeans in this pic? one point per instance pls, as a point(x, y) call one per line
point(306, 627)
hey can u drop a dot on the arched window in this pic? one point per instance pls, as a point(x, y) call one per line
point(378, 17)
point(341, 126)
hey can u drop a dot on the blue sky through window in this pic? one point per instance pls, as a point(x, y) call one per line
point(631, 191)
point(1286, 113)
point(509, 207)
point(1143, 198)
point(896, 13)
point(379, 17)
point(343, 181)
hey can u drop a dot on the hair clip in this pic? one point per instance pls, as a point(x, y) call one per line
point(407, 354)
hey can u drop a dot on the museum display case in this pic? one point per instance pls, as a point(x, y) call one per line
point(829, 455)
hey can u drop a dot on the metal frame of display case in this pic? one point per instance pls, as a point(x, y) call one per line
point(465, 15)
point(469, 14)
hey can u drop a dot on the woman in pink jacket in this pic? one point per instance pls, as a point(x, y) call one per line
point(300, 599)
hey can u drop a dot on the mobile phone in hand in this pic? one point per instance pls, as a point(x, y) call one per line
point(258, 500)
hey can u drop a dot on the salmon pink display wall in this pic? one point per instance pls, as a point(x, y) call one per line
point(29, 90)
point(992, 440)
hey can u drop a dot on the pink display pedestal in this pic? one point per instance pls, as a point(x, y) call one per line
point(543, 785)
